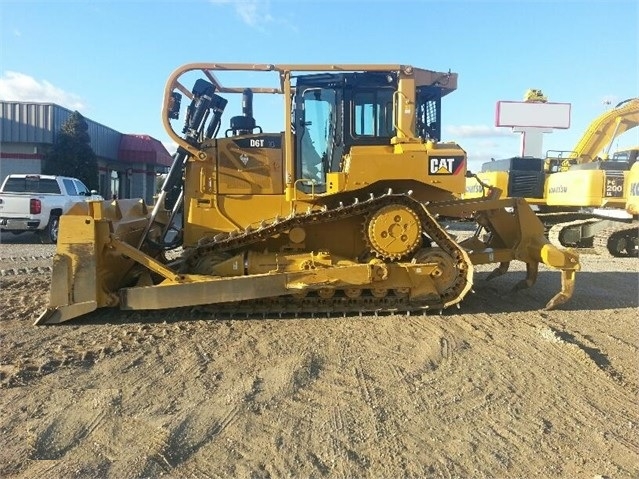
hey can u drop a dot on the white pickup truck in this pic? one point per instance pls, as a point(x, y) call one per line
point(35, 203)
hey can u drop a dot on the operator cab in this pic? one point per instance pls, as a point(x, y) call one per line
point(334, 112)
point(331, 113)
point(630, 156)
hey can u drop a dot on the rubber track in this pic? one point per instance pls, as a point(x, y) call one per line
point(288, 305)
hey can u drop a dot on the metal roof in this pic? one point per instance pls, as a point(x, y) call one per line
point(40, 123)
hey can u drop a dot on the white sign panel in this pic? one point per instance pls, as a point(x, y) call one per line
point(532, 115)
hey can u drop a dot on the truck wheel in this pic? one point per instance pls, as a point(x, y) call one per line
point(49, 235)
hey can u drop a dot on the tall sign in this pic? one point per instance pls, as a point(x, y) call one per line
point(532, 117)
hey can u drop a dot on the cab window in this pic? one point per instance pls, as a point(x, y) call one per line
point(373, 113)
point(317, 135)
point(70, 187)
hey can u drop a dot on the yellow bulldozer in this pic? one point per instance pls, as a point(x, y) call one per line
point(339, 212)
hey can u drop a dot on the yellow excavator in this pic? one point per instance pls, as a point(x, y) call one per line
point(338, 213)
point(579, 194)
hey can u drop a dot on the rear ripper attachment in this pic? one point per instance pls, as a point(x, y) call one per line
point(338, 213)
point(507, 230)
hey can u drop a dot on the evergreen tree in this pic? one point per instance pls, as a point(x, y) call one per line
point(71, 153)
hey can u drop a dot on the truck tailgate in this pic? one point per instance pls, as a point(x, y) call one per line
point(15, 205)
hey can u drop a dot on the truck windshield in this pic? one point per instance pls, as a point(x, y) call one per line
point(31, 185)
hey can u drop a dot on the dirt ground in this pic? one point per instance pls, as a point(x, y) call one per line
point(496, 389)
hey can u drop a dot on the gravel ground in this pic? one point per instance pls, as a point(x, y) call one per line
point(497, 389)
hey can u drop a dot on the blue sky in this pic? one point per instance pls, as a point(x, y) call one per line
point(110, 59)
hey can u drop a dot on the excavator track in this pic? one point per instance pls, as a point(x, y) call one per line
point(341, 301)
point(557, 231)
point(617, 241)
point(556, 223)
point(549, 219)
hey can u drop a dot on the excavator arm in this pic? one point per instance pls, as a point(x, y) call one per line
point(604, 129)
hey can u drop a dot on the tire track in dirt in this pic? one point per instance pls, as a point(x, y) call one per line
point(338, 439)
point(258, 393)
point(26, 271)
point(60, 432)
point(11, 266)
point(26, 259)
point(71, 347)
point(163, 445)
point(481, 392)
point(595, 379)
point(385, 427)
point(503, 347)
point(568, 363)
point(185, 440)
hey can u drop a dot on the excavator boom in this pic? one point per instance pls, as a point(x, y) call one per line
point(600, 134)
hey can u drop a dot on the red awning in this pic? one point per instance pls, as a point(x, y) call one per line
point(143, 149)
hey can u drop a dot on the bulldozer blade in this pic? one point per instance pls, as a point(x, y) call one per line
point(87, 269)
point(60, 314)
point(73, 283)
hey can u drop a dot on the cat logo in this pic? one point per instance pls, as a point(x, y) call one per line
point(445, 165)
point(244, 158)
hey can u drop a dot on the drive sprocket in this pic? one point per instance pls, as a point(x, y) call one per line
point(393, 231)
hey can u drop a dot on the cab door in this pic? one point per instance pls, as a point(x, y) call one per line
point(315, 136)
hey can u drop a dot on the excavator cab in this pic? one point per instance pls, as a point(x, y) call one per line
point(339, 212)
